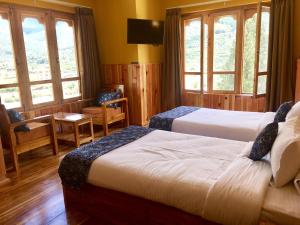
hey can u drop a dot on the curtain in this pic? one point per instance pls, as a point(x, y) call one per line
point(281, 79)
point(171, 77)
point(88, 53)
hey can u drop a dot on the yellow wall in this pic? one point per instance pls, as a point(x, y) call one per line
point(149, 9)
point(111, 23)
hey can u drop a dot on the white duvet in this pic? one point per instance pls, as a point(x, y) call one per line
point(199, 175)
point(234, 125)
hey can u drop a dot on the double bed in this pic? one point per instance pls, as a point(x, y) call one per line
point(233, 125)
point(163, 177)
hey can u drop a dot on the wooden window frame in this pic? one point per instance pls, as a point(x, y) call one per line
point(200, 73)
point(241, 18)
point(5, 13)
point(15, 16)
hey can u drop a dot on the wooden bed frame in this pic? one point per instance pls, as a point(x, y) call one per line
point(113, 207)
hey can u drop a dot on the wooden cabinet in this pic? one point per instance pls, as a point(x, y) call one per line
point(142, 88)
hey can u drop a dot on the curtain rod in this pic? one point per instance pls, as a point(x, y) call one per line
point(199, 4)
point(68, 4)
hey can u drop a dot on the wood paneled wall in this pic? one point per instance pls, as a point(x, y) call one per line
point(142, 88)
point(225, 101)
point(297, 94)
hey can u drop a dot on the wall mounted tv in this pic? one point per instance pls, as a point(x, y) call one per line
point(145, 31)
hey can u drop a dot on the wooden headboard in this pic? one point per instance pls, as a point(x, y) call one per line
point(297, 94)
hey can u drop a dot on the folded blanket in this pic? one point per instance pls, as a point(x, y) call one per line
point(75, 166)
point(297, 183)
point(164, 121)
point(237, 196)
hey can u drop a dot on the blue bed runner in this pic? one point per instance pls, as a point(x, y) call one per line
point(75, 166)
point(164, 121)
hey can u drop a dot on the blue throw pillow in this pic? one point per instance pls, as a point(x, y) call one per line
point(264, 142)
point(282, 111)
point(14, 117)
point(108, 96)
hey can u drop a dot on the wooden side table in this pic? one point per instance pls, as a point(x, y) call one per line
point(75, 120)
point(3, 178)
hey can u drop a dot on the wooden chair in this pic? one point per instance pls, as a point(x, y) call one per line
point(104, 116)
point(42, 132)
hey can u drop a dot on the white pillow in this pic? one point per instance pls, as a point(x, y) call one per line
point(294, 112)
point(285, 153)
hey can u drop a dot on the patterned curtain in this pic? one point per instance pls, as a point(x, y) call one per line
point(281, 79)
point(171, 77)
point(88, 53)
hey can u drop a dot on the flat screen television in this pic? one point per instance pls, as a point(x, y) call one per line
point(145, 31)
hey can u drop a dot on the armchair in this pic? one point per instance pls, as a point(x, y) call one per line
point(41, 132)
point(104, 115)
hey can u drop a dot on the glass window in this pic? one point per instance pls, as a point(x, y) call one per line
point(192, 45)
point(264, 40)
point(192, 82)
point(249, 54)
point(42, 93)
point(71, 89)
point(224, 43)
point(66, 49)
point(223, 82)
point(35, 40)
point(10, 96)
point(261, 84)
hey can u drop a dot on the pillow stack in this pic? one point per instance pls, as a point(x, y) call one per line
point(282, 139)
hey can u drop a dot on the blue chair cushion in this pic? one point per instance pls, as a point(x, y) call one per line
point(108, 96)
point(15, 117)
point(282, 111)
point(264, 142)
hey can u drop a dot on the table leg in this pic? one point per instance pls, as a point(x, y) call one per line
point(92, 129)
point(76, 135)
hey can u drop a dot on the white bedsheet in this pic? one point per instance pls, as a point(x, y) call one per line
point(180, 170)
point(234, 125)
point(282, 205)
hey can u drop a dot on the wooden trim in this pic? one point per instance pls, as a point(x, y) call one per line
point(297, 94)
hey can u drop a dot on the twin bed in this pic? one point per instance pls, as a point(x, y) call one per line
point(149, 176)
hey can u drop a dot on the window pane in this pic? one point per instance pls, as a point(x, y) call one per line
point(262, 84)
point(223, 82)
point(192, 45)
point(192, 82)
point(249, 54)
point(71, 89)
point(36, 49)
point(10, 97)
point(264, 41)
point(8, 73)
point(205, 49)
point(42, 93)
point(66, 49)
point(224, 43)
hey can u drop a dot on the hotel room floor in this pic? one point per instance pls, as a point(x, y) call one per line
point(36, 196)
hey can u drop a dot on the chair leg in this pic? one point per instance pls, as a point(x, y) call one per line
point(14, 158)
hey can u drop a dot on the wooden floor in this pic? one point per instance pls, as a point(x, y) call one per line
point(36, 197)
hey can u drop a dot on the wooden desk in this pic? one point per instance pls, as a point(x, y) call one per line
point(74, 120)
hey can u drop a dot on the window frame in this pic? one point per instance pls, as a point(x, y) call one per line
point(15, 17)
point(208, 18)
point(5, 13)
point(201, 18)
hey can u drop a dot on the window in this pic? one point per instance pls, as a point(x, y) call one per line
point(234, 55)
point(9, 89)
point(38, 66)
point(67, 58)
